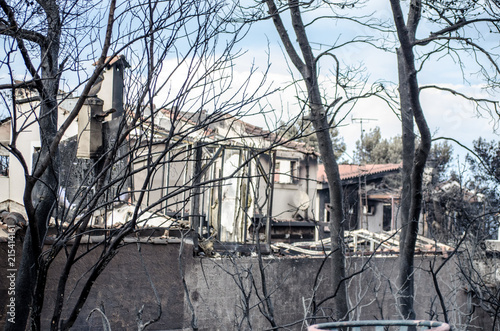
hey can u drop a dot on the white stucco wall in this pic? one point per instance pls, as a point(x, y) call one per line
point(12, 187)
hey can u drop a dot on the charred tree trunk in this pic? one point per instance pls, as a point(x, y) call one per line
point(41, 186)
point(412, 182)
point(306, 64)
point(408, 140)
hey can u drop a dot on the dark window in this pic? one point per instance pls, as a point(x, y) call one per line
point(294, 173)
point(4, 165)
point(387, 218)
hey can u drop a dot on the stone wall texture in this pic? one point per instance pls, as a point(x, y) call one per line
point(224, 293)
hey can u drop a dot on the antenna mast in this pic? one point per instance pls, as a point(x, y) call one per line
point(360, 120)
point(362, 190)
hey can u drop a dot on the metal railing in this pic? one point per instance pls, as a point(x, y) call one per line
point(381, 326)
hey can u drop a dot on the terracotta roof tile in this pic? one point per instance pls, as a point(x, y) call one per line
point(348, 171)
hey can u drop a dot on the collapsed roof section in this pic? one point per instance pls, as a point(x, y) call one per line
point(224, 128)
point(363, 242)
point(103, 219)
point(214, 128)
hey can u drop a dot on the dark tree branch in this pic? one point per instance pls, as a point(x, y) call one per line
point(285, 38)
point(22, 47)
point(456, 26)
point(27, 35)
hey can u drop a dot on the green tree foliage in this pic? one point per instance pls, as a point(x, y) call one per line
point(439, 161)
point(486, 164)
point(375, 150)
point(485, 182)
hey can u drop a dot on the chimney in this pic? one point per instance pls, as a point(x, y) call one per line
point(111, 91)
point(89, 137)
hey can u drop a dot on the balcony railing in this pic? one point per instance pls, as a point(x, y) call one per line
point(381, 326)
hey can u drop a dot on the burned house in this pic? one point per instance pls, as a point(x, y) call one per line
point(213, 172)
point(247, 185)
point(371, 196)
point(210, 171)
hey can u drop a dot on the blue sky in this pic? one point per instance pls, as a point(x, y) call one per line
point(447, 115)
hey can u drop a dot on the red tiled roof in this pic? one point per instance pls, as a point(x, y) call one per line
point(348, 171)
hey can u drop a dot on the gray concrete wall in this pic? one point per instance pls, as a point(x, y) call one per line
point(222, 294)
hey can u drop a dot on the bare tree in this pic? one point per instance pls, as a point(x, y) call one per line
point(451, 21)
point(413, 164)
point(322, 113)
point(180, 53)
point(41, 184)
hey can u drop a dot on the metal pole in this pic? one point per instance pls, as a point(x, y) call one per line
point(219, 205)
point(249, 175)
point(271, 197)
point(195, 192)
point(184, 198)
point(167, 181)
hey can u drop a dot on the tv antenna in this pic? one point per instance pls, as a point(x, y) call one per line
point(362, 120)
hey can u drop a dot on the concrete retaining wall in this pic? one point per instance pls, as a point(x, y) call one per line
point(224, 292)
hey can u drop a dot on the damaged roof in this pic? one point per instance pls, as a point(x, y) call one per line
point(364, 242)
